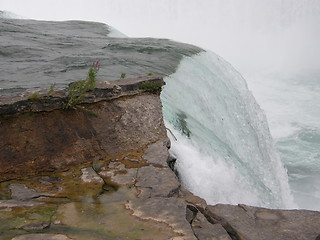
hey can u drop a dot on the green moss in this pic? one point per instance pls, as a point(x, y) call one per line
point(151, 87)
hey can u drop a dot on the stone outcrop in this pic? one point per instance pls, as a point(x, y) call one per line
point(39, 136)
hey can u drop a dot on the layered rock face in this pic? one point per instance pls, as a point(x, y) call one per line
point(39, 136)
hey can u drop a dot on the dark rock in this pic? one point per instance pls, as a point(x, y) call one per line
point(157, 182)
point(36, 226)
point(318, 238)
point(253, 223)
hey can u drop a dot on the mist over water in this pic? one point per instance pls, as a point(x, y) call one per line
point(274, 44)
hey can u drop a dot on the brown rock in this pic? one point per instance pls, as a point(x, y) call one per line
point(34, 143)
point(253, 223)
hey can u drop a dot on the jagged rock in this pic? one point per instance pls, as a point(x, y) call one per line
point(253, 223)
point(207, 231)
point(157, 153)
point(90, 176)
point(42, 237)
point(171, 211)
point(21, 192)
point(191, 213)
point(198, 202)
point(36, 226)
point(157, 182)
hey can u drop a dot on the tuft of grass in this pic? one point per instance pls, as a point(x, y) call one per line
point(51, 90)
point(150, 74)
point(151, 87)
point(34, 97)
point(123, 75)
point(77, 90)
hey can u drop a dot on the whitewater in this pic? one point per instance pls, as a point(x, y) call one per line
point(222, 134)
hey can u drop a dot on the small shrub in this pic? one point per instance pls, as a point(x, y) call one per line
point(123, 75)
point(151, 87)
point(34, 96)
point(150, 74)
point(77, 90)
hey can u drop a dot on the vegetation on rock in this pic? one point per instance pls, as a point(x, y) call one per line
point(77, 90)
point(151, 87)
point(34, 96)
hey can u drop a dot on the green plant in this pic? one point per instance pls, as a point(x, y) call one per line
point(34, 96)
point(123, 75)
point(151, 87)
point(77, 90)
point(150, 74)
point(51, 90)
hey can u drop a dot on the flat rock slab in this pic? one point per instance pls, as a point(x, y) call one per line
point(157, 182)
point(22, 193)
point(157, 153)
point(171, 211)
point(42, 237)
point(90, 176)
point(253, 223)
